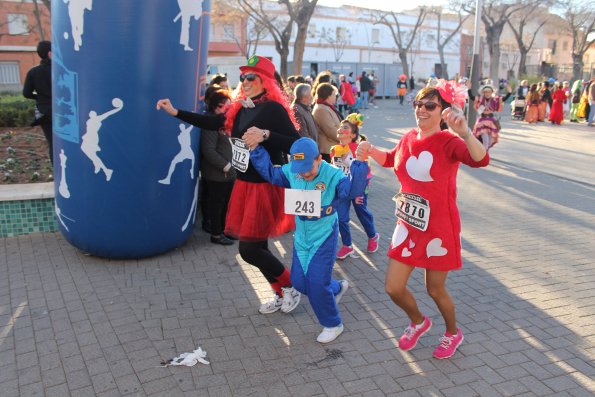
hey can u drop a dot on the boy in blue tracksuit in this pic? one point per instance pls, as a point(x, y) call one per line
point(316, 237)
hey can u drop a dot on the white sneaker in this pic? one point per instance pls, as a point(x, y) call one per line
point(291, 298)
point(271, 306)
point(344, 287)
point(330, 334)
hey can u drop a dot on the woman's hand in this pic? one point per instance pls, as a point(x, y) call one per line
point(166, 105)
point(455, 119)
point(253, 136)
point(363, 150)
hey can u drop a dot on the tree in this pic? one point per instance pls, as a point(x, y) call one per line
point(580, 19)
point(300, 13)
point(494, 16)
point(403, 38)
point(225, 13)
point(337, 39)
point(525, 40)
point(443, 38)
point(280, 26)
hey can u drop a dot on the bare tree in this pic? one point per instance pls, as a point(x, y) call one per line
point(519, 23)
point(37, 14)
point(580, 19)
point(443, 38)
point(494, 16)
point(47, 4)
point(226, 14)
point(27, 28)
point(300, 12)
point(402, 36)
point(337, 39)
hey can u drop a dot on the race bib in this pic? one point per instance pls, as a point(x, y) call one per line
point(413, 209)
point(303, 202)
point(241, 154)
point(340, 163)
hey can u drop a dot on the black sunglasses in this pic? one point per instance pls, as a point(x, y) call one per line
point(248, 76)
point(429, 105)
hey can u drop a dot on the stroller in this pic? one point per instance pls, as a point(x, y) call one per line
point(518, 106)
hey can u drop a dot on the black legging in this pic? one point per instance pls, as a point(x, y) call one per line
point(257, 254)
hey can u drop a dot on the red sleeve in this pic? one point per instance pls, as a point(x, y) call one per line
point(389, 162)
point(456, 149)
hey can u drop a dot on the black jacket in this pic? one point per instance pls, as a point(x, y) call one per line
point(38, 86)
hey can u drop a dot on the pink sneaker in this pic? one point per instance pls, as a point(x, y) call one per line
point(344, 252)
point(413, 333)
point(448, 344)
point(373, 243)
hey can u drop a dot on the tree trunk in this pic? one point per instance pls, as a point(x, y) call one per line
point(284, 53)
point(403, 58)
point(37, 13)
point(298, 50)
point(577, 67)
point(442, 63)
point(523, 62)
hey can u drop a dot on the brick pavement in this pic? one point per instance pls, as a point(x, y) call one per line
point(76, 325)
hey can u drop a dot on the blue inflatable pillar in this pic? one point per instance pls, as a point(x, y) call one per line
point(126, 175)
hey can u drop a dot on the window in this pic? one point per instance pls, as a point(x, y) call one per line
point(552, 45)
point(9, 73)
point(341, 34)
point(17, 24)
point(375, 36)
point(311, 31)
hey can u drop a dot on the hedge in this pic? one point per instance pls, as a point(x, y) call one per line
point(16, 110)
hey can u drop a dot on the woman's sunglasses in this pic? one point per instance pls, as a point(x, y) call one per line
point(429, 105)
point(248, 76)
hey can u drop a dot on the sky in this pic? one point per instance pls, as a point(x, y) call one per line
point(387, 5)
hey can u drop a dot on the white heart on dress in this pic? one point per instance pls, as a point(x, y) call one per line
point(435, 248)
point(405, 253)
point(399, 235)
point(411, 243)
point(418, 168)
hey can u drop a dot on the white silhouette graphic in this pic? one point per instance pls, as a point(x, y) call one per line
point(63, 187)
point(188, 9)
point(76, 13)
point(185, 153)
point(90, 145)
point(60, 216)
point(192, 208)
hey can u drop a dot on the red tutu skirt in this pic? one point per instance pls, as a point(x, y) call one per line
point(255, 212)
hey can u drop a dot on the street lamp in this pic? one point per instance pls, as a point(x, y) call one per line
point(471, 113)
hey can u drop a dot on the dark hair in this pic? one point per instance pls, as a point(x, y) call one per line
point(214, 97)
point(354, 129)
point(291, 79)
point(280, 81)
point(300, 79)
point(218, 78)
point(431, 92)
point(324, 91)
point(43, 48)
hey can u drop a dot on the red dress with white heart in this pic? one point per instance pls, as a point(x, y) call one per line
point(428, 227)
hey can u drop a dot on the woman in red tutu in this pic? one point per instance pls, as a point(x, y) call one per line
point(557, 110)
point(259, 114)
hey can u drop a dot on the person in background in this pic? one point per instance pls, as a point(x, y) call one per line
point(575, 100)
point(532, 112)
point(411, 83)
point(426, 239)
point(219, 80)
point(402, 88)
point(557, 110)
point(374, 84)
point(365, 84)
point(302, 108)
point(545, 101)
point(327, 119)
point(291, 83)
point(591, 97)
point(346, 94)
point(38, 86)
point(487, 125)
point(568, 100)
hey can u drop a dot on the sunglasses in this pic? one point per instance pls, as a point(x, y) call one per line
point(429, 105)
point(248, 76)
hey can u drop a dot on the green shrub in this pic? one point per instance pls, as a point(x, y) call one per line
point(16, 110)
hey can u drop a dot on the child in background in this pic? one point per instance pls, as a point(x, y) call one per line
point(316, 237)
point(342, 156)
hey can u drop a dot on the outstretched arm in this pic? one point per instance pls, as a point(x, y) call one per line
point(261, 160)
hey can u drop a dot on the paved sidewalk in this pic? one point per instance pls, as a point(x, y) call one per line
point(76, 325)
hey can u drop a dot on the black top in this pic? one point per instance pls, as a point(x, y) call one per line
point(38, 86)
point(208, 121)
point(272, 116)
